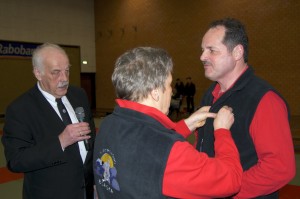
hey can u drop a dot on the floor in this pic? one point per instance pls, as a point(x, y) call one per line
point(11, 184)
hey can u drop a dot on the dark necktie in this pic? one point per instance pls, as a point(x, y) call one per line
point(63, 112)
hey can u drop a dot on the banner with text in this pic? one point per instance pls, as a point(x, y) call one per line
point(16, 49)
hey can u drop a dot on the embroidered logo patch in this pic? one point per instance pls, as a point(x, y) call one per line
point(106, 170)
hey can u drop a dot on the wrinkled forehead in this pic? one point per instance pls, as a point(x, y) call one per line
point(56, 57)
point(53, 52)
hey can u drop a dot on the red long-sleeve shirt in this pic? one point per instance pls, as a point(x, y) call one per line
point(272, 139)
point(190, 174)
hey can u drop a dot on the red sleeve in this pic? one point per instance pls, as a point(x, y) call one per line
point(182, 129)
point(272, 138)
point(192, 174)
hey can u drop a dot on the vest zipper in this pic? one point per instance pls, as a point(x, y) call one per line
point(201, 143)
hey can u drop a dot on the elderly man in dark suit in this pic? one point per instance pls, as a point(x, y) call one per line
point(53, 154)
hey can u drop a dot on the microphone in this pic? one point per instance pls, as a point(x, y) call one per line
point(79, 111)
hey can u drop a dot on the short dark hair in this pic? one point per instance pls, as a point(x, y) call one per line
point(235, 33)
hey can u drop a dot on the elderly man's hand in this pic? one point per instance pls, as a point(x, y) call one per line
point(198, 118)
point(74, 133)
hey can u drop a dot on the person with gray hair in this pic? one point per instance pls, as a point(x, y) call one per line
point(44, 139)
point(140, 153)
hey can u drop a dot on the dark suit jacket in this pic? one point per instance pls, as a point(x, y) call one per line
point(32, 146)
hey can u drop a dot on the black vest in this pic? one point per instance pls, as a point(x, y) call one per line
point(244, 98)
point(131, 152)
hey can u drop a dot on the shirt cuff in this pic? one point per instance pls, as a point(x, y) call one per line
point(182, 129)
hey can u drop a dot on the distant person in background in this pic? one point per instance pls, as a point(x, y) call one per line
point(179, 89)
point(189, 91)
point(177, 97)
point(45, 144)
point(261, 129)
point(139, 155)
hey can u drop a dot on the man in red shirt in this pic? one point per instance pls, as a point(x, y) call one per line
point(261, 130)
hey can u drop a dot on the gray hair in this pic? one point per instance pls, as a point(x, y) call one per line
point(138, 71)
point(38, 58)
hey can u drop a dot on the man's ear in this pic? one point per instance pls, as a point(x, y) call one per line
point(37, 73)
point(238, 52)
point(155, 94)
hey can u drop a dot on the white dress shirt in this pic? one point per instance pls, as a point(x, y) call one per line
point(51, 99)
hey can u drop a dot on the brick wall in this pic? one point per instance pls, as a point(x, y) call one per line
point(178, 26)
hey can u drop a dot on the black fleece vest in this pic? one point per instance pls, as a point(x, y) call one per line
point(244, 98)
point(133, 148)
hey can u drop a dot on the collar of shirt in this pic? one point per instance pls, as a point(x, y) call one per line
point(150, 111)
point(51, 99)
point(217, 93)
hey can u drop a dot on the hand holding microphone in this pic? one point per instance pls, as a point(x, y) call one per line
point(76, 132)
